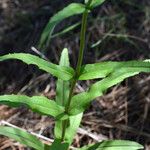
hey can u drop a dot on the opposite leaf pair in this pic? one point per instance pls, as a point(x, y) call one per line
point(112, 72)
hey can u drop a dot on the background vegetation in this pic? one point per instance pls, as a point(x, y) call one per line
point(118, 30)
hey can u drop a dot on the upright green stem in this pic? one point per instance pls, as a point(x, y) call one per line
point(79, 64)
point(80, 56)
point(82, 39)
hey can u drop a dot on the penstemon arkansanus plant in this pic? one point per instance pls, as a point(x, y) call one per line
point(67, 108)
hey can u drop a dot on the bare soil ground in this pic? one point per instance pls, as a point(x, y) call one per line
point(116, 31)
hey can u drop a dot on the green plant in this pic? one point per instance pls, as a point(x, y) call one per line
point(67, 109)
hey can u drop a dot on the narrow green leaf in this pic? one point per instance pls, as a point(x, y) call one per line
point(96, 3)
point(66, 30)
point(22, 136)
point(81, 101)
point(38, 104)
point(74, 123)
point(68, 11)
point(58, 145)
point(62, 92)
point(114, 145)
point(64, 73)
point(103, 69)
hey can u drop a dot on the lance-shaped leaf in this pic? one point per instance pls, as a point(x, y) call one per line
point(103, 69)
point(62, 92)
point(68, 11)
point(64, 73)
point(96, 3)
point(66, 30)
point(114, 145)
point(81, 101)
point(38, 104)
point(22, 137)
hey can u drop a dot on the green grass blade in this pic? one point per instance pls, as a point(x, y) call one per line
point(68, 11)
point(103, 69)
point(64, 73)
point(114, 145)
point(62, 92)
point(39, 104)
point(66, 30)
point(22, 137)
point(81, 101)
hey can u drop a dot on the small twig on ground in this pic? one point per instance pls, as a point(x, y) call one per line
point(39, 53)
point(95, 137)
